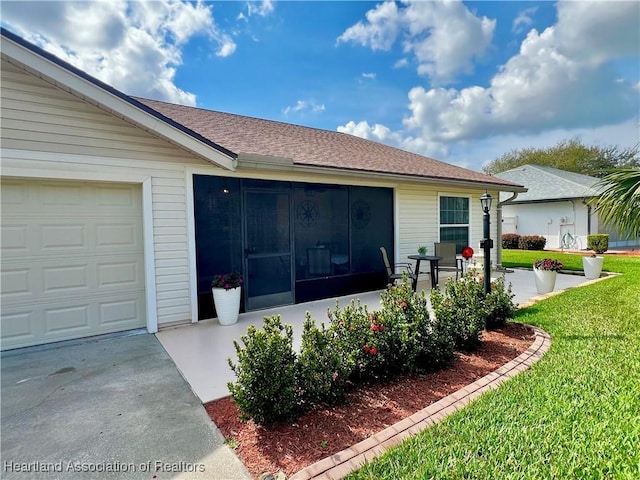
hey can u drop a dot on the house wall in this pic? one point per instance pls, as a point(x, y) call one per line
point(50, 133)
point(545, 219)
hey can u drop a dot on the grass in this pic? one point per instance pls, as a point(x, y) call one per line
point(574, 415)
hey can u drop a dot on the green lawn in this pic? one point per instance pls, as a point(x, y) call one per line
point(574, 415)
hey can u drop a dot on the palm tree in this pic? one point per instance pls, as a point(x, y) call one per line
point(619, 202)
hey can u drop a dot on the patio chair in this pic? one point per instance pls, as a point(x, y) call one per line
point(450, 262)
point(392, 276)
point(319, 261)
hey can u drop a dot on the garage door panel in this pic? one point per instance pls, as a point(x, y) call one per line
point(115, 314)
point(18, 328)
point(69, 319)
point(116, 196)
point(68, 278)
point(117, 236)
point(15, 282)
point(14, 238)
point(73, 266)
point(121, 274)
point(55, 237)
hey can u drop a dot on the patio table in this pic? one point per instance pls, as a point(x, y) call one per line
point(433, 268)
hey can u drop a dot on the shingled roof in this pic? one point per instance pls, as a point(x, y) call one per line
point(546, 184)
point(314, 147)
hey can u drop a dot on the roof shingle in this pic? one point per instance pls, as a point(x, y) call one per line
point(312, 146)
point(548, 183)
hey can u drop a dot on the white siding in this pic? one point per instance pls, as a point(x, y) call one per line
point(51, 133)
point(552, 220)
point(418, 217)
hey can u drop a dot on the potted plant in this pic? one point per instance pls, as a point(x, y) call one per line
point(226, 289)
point(545, 271)
point(422, 250)
point(592, 264)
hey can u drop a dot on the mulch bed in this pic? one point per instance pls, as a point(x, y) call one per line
point(368, 410)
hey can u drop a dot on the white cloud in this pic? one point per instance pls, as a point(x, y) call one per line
point(596, 31)
point(524, 19)
point(370, 76)
point(403, 62)
point(380, 31)
point(444, 37)
point(133, 46)
point(558, 82)
point(263, 8)
point(302, 106)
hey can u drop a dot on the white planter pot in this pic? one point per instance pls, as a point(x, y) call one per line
point(545, 280)
point(227, 304)
point(592, 266)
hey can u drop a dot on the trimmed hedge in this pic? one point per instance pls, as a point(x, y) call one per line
point(510, 240)
point(531, 242)
point(275, 384)
point(599, 243)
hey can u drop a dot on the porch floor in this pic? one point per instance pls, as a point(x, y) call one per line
point(200, 350)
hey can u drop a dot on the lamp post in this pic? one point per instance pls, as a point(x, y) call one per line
point(486, 244)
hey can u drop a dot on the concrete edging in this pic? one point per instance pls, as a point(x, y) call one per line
point(342, 463)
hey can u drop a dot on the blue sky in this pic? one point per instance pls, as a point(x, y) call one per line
point(462, 82)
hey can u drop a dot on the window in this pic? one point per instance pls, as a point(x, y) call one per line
point(454, 221)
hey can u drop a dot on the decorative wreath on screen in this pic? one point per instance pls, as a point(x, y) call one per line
point(360, 214)
point(308, 213)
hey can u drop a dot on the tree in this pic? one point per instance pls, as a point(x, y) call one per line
point(619, 202)
point(570, 155)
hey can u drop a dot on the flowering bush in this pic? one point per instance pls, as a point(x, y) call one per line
point(550, 264)
point(274, 383)
point(227, 280)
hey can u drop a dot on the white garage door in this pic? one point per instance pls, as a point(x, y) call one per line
point(72, 260)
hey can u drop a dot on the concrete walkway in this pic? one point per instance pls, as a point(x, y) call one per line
point(113, 404)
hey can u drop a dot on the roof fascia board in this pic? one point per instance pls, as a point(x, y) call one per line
point(547, 200)
point(63, 78)
point(268, 163)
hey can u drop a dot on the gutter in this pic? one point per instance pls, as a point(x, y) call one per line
point(264, 162)
point(499, 267)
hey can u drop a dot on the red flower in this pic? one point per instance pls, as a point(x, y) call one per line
point(403, 304)
point(373, 350)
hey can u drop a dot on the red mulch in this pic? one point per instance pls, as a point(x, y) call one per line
point(368, 410)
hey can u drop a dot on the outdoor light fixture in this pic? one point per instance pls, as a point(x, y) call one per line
point(486, 244)
point(485, 201)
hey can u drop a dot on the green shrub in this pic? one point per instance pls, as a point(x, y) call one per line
point(351, 331)
point(265, 386)
point(418, 342)
point(531, 242)
point(599, 243)
point(393, 326)
point(499, 304)
point(321, 377)
point(462, 306)
point(510, 240)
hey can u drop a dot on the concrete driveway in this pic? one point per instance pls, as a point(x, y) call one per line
point(115, 408)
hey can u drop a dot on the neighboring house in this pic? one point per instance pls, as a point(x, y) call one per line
point(117, 211)
point(555, 204)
